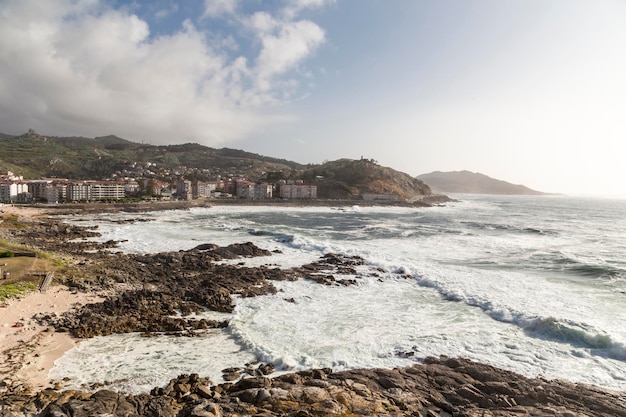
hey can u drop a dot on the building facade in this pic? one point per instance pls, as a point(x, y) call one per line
point(203, 189)
point(298, 191)
point(184, 190)
point(78, 192)
point(107, 190)
point(37, 188)
point(251, 191)
point(10, 190)
point(54, 194)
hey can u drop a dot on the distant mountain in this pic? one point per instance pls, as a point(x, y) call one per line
point(472, 183)
point(364, 178)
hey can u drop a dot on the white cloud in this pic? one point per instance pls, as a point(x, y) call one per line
point(284, 44)
point(217, 8)
point(163, 13)
point(83, 68)
point(284, 50)
point(262, 23)
point(294, 7)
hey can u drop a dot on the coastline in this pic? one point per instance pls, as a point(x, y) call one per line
point(440, 387)
point(27, 211)
point(147, 206)
point(29, 351)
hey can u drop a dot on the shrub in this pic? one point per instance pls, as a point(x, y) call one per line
point(15, 290)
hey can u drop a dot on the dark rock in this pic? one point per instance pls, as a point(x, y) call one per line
point(204, 391)
point(247, 383)
point(206, 246)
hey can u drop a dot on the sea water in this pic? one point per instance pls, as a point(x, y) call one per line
point(536, 285)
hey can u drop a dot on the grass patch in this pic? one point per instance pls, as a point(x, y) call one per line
point(26, 269)
point(12, 221)
point(6, 246)
point(16, 289)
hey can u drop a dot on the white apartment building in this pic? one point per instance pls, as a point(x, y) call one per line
point(203, 189)
point(107, 191)
point(90, 191)
point(253, 191)
point(299, 191)
point(10, 190)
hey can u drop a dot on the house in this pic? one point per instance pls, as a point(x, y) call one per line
point(9, 176)
point(131, 187)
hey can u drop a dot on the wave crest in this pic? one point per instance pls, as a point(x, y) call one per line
point(579, 335)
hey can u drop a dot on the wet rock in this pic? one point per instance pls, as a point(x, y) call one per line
point(433, 389)
point(206, 246)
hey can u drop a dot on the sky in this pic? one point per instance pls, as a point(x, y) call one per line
point(532, 91)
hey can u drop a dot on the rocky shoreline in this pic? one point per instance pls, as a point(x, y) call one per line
point(439, 387)
point(154, 293)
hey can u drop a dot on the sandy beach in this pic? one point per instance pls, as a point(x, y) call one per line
point(22, 211)
point(27, 349)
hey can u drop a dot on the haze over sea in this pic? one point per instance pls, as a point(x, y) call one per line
point(536, 285)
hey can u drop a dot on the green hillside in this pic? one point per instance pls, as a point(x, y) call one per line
point(34, 156)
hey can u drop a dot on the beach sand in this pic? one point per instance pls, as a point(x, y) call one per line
point(27, 349)
point(23, 211)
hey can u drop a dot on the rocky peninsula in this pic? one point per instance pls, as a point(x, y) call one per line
point(156, 293)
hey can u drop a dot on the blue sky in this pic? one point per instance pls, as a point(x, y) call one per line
point(531, 92)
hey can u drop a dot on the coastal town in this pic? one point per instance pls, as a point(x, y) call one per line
point(15, 189)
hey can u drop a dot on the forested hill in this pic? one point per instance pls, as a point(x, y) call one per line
point(347, 178)
point(34, 156)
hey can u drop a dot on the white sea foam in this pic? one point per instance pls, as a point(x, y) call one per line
point(134, 364)
point(492, 279)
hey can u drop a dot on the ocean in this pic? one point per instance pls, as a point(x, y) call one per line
point(533, 284)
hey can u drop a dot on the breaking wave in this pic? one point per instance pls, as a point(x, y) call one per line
point(578, 335)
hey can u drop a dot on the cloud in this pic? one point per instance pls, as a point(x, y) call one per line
point(294, 7)
point(281, 52)
point(165, 12)
point(217, 8)
point(284, 45)
point(84, 68)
